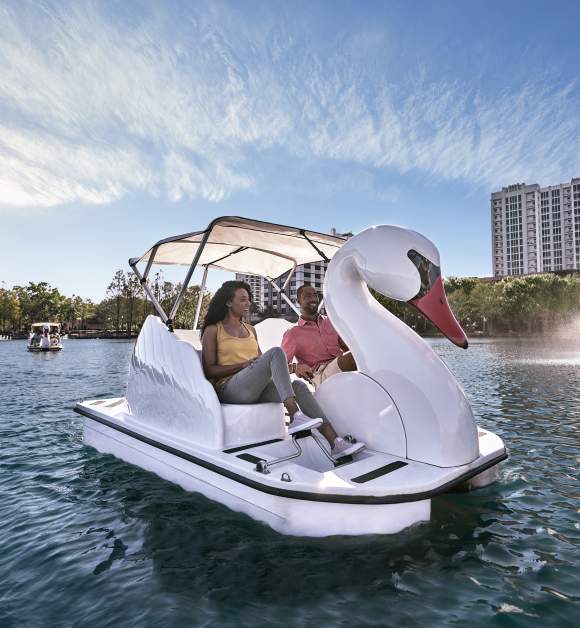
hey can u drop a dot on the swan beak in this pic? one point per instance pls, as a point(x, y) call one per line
point(435, 307)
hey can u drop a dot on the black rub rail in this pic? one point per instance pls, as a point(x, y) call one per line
point(289, 493)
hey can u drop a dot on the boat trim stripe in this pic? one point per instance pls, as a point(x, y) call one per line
point(289, 493)
point(249, 458)
point(234, 450)
point(377, 473)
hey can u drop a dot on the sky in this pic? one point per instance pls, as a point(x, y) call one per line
point(123, 122)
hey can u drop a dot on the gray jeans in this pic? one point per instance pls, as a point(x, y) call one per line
point(267, 380)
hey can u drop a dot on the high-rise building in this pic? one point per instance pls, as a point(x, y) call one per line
point(266, 297)
point(535, 229)
point(257, 285)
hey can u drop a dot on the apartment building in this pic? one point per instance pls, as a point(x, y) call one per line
point(257, 284)
point(266, 297)
point(535, 229)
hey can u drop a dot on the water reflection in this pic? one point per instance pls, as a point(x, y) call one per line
point(202, 549)
point(110, 544)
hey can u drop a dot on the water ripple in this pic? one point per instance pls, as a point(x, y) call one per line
point(88, 540)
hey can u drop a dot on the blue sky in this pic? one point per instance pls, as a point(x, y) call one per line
point(123, 122)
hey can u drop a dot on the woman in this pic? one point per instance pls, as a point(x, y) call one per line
point(241, 373)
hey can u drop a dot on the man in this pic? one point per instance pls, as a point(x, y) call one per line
point(313, 341)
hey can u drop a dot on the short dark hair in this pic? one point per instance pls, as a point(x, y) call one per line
point(301, 288)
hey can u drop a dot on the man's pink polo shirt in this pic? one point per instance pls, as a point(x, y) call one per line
point(312, 342)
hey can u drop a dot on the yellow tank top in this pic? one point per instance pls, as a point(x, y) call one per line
point(234, 350)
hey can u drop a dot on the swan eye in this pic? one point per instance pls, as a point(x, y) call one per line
point(428, 272)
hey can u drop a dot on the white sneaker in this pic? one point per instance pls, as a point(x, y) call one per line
point(301, 422)
point(342, 448)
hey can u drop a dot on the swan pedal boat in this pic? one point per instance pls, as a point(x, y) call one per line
point(55, 342)
point(403, 402)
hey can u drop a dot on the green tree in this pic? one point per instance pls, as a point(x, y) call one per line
point(9, 309)
point(105, 313)
point(115, 290)
point(132, 292)
point(186, 313)
point(39, 302)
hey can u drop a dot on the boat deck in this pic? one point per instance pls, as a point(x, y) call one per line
point(371, 474)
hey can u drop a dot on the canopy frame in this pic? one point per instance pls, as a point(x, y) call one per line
point(143, 281)
point(168, 318)
point(200, 298)
point(281, 292)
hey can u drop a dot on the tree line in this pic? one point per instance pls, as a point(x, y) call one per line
point(531, 304)
point(522, 305)
point(21, 306)
point(124, 308)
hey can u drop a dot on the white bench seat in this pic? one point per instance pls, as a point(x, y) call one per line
point(244, 424)
point(252, 423)
point(167, 389)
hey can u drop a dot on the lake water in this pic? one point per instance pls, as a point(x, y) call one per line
point(87, 540)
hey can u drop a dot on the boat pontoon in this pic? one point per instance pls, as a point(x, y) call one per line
point(404, 403)
point(44, 337)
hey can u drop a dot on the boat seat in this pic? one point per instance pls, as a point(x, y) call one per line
point(270, 332)
point(190, 336)
point(243, 424)
point(252, 423)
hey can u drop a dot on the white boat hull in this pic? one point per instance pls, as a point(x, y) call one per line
point(288, 516)
point(376, 493)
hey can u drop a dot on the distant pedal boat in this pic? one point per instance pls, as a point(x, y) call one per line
point(50, 343)
point(404, 403)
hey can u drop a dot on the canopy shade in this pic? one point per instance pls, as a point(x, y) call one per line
point(245, 246)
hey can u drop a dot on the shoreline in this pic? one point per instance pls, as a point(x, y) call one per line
point(123, 335)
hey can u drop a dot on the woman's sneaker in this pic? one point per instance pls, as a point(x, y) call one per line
point(302, 422)
point(342, 448)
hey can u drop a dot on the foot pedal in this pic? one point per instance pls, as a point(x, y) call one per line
point(263, 466)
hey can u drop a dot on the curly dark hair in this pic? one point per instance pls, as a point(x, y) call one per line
point(218, 309)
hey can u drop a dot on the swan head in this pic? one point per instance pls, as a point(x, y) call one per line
point(404, 265)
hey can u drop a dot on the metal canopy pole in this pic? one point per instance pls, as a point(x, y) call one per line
point(290, 273)
point(149, 262)
point(321, 253)
point(282, 294)
point(148, 292)
point(200, 298)
point(187, 279)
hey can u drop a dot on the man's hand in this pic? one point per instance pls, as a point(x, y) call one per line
point(304, 371)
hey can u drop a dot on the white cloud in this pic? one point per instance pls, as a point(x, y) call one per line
point(40, 170)
point(96, 105)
